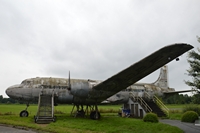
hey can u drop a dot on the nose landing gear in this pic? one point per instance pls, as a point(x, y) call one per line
point(24, 113)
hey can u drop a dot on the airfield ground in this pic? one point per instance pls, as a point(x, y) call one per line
point(109, 122)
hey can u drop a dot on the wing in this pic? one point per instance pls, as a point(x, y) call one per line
point(138, 71)
point(167, 94)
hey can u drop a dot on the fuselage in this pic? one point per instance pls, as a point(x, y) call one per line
point(76, 90)
point(64, 91)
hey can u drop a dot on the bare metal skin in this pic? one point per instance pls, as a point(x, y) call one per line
point(92, 92)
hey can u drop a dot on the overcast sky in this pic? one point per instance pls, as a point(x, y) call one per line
point(92, 39)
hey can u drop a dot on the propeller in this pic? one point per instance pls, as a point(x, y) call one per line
point(69, 82)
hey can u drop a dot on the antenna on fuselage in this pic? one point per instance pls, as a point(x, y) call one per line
point(69, 82)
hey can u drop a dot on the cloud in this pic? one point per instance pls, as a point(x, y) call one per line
point(91, 39)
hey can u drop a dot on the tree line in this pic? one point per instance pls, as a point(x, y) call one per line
point(7, 100)
point(182, 99)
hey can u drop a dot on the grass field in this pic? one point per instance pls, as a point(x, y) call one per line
point(176, 111)
point(110, 122)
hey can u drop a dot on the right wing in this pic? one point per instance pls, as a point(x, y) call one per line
point(137, 71)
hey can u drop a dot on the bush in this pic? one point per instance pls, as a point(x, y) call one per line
point(189, 116)
point(192, 107)
point(151, 117)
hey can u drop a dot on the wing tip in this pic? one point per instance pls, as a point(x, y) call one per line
point(189, 46)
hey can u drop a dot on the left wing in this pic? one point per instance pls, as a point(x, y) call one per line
point(138, 71)
point(167, 94)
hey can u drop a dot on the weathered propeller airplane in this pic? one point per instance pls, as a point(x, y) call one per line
point(92, 92)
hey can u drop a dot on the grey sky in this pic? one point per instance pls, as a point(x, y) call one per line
point(92, 39)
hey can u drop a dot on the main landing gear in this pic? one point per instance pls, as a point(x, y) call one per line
point(80, 112)
point(24, 113)
point(95, 114)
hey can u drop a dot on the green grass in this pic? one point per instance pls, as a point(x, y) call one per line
point(175, 107)
point(176, 110)
point(109, 123)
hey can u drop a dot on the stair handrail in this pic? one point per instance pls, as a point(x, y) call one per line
point(161, 105)
point(146, 95)
point(52, 103)
point(142, 102)
point(39, 99)
point(131, 95)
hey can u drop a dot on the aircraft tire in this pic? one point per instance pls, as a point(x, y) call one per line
point(94, 115)
point(35, 119)
point(24, 113)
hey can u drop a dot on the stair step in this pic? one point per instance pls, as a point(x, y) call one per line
point(45, 112)
point(44, 120)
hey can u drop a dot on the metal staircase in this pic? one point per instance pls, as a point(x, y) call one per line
point(150, 104)
point(155, 108)
point(45, 113)
point(156, 105)
point(161, 106)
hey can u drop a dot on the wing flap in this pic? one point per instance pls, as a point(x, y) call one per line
point(138, 70)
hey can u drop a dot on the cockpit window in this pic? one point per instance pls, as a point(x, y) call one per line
point(26, 82)
point(23, 82)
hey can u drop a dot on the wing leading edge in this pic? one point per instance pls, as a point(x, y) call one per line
point(138, 70)
point(167, 94)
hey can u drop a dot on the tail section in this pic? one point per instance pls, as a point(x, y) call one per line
point(162, 80)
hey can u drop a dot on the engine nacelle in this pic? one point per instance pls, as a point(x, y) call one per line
point(80, 88)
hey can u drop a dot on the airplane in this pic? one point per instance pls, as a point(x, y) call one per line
point(90, 93)
point(146, 90)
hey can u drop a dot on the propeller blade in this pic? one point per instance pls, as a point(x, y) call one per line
point(69, 82)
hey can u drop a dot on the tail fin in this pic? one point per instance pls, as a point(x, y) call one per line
point(162, 80)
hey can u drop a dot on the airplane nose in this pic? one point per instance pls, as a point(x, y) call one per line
point(10, 90)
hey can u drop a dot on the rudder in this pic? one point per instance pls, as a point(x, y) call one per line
point(162, 80)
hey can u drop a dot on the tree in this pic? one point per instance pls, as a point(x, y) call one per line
point(1, 98)
point(195, 99)
point(194, 70)
point(178, 99)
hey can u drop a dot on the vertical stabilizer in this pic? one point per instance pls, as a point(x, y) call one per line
point(162, 80)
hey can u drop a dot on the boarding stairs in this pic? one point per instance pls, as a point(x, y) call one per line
point(155, 108)
point(45, 113)
point(151, 104)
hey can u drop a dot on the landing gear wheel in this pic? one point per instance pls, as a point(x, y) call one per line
point(35, 119)
point(24, 113)
point(95, 115)
point(80, 113)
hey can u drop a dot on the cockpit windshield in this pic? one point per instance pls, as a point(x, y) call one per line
point(23, 82)
point(26, 82)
